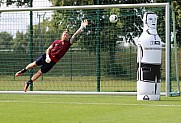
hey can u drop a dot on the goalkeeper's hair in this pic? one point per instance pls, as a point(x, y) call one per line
point(65, 31)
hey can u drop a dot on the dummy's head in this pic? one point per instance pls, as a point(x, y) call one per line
point(150, 21)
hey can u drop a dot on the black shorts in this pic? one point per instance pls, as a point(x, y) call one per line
point(45, 67)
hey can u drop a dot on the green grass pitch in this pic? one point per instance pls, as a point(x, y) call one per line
point(27, 108)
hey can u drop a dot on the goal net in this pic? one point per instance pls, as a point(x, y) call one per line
point(103, 59)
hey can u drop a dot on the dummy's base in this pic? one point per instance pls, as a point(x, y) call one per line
point(148, 97)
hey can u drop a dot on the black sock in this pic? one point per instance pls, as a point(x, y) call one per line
point(23, 70)
point(30, 81)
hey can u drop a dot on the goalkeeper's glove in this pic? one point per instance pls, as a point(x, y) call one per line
point(48, 60)
point(83, 25)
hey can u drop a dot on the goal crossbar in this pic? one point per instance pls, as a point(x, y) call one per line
point(85, 7)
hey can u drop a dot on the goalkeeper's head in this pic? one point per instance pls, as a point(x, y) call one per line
point(65, 36)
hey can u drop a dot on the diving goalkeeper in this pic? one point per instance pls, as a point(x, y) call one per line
point(53, 54)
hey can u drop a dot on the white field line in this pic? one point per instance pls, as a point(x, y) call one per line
point(89, 103)
point(73, 93)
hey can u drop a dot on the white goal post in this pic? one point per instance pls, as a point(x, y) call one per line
point(167, 34)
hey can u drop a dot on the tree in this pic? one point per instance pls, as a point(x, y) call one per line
point(20, 43)
point(18, 3)
point(5, 40)
point(177, 9)
point(44, 34)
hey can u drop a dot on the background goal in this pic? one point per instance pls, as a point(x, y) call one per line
point(102, 60)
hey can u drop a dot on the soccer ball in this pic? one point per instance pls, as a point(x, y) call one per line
point(113, 18)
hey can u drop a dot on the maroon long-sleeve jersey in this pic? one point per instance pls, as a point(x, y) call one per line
point(59, 49)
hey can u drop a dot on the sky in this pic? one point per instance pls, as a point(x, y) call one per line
point(19, 21)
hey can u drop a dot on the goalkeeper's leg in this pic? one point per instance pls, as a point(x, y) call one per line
point(27, 85)
point(35, 77)
point(29, 66)
point(44, 69)
point(21, 72)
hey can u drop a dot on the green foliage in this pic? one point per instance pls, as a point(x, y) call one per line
point(176, 6)
point(5, 40)
point(95, 2)
point(71, 2)
point(18, 2)
point(20, 43)
point(177, 9)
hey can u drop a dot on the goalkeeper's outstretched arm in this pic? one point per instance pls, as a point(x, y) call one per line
point(83, 25)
